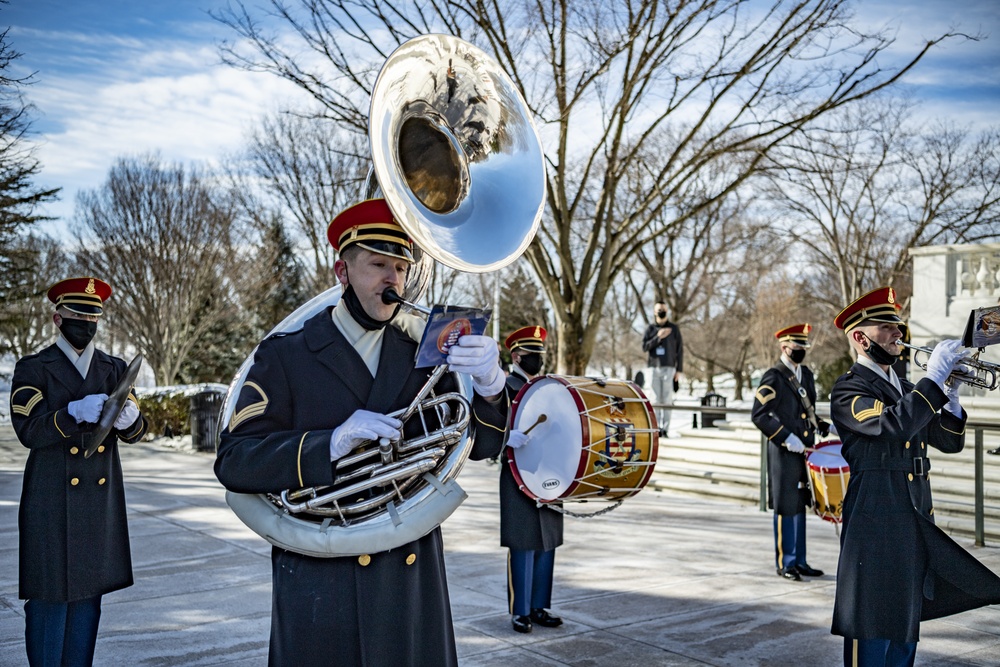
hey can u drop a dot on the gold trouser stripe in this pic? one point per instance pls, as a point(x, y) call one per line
point(510, 585)
point(854, 653)
point(781, 551)
point(299, 462)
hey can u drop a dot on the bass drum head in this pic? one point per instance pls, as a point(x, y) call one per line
point(548, 466)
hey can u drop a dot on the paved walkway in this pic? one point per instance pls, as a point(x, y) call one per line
point(663, 580)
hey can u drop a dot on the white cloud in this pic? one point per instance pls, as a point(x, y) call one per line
point(197, 114)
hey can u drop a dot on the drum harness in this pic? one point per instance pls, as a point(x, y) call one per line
point(810, 413)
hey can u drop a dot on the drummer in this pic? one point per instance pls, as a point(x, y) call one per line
point(530, 533)
point(896, 567)
point(783, 410)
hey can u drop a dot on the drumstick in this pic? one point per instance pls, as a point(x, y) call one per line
point(541, 418)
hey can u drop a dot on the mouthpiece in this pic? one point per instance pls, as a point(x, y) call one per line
point(389, 297)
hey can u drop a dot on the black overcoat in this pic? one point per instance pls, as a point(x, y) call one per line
point(523, 525)
point(896, 567)
point(73, 532)
point(777, 412)
point(388, 608)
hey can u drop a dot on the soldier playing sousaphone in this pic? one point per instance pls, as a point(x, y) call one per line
point(310, 398)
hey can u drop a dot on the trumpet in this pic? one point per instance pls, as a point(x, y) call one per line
point(982, 374)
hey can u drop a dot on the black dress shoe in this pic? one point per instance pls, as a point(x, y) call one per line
point(789, 573)
point(807, 571)
point(522, 623)
point(545, 619)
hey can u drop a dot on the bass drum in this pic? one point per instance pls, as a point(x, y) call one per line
point(590, 439)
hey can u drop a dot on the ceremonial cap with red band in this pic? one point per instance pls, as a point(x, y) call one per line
point(797, 333)
point(371, 226)
point(527, 339)
point(84, 296)
point(876, 306)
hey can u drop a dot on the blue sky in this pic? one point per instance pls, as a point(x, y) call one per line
point(123, 77)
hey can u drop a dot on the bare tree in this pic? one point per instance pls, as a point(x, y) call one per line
point(716, 86)
point(857, 193)
point(165, 238)
point(26, 316)
point(303, 171)
point(19, 196)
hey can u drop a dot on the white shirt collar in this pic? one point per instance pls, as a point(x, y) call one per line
point(368, 344)
point(81, 361)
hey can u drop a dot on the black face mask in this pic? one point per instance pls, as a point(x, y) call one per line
point(797, 355)
point(878, 354)
point(357, 311)
point(531, 363)
point(661, 314)
point(79, 333)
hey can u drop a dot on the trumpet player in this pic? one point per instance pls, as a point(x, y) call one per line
point(310, 398)
point(896, 567)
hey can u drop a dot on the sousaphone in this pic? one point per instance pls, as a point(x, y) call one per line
point(456, 156)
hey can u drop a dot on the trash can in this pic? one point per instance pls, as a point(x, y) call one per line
point(205, 409)
point(708, 419)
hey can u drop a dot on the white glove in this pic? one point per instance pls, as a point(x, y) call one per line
point(943, 360)
point(128, 416)
point(954, 407)
point(362, 426)
point(793, 444)
point(833, 429)
point(478, 357)
point(517, 439)
point(87, 409)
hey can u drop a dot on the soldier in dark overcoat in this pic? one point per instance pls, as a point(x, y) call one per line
point(531, 533)
point(309, 398)
point(896, 567)
point(73, 533)
point(783, 410)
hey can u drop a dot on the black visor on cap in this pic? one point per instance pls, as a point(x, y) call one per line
point(388, 248)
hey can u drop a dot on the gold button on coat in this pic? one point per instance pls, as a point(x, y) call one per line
point(74, 481)
point(805, 434)
point(803, 415)
point(101, 481)
point(364, 559)
point(411, 559)
point(909, 476)
point(100, 448)
point(74, 450)
point(907, 444)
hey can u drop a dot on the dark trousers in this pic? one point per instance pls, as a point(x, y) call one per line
point(789, 540)
point(529, 580)
point(61, 634)
point(878, 653)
